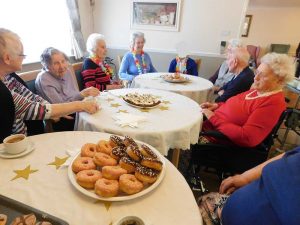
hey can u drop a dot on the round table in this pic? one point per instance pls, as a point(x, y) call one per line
point(47, 187)
point(174, 124)
point(198, 89)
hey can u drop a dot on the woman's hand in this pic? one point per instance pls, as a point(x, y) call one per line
point(230, 184)
point(210, 106)
point(91, 91)
point(208, 113)
point(90, 107)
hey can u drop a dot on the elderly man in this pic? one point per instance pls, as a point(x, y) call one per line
point(17, 103)
point(237, 61)
point(56, 84)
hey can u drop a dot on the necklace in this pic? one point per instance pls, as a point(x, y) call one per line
point(104, 67)
point(248, 97)
point(137, 62)
point(180, 65)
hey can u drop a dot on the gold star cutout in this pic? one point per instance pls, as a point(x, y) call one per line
point(106, 204)
point(115, 105)
point(109, 99)
point(162, 108)
point(120, 96)
point(24, 173)
point(144, 110)
point(110, 223)
point(58, 162)
point(122, 111)
point(166, 102)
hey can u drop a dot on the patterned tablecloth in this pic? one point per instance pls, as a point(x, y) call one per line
point(39, 180)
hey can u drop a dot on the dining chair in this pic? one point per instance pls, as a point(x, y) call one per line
point(254, 54)
point(198, 62)
point(124, 82)
point(280, 48)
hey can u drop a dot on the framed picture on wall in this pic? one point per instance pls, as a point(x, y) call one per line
point(155, 14)
point(246, 26)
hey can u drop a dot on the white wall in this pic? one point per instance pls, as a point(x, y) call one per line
point(204, 23)
point(278, 25)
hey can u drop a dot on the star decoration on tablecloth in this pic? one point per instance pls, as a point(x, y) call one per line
point(106, 204)
point(24, 173)
point(122, 111)
point(144, 110)
point(162, 108)
point(115, 105)
point(166, 102)
point(120, 96)
point(110, 99)
point(58, 162)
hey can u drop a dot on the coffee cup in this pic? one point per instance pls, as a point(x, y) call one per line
point(15, 144)
point(130, 220)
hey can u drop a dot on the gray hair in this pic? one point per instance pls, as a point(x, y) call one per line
point(281, 64)
point(241, 54)
point(46, 56)
point(6, 39)
point(235, 43)
point(136, 35)
point(91, 43)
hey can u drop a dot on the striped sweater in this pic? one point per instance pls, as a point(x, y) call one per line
point(28, 106)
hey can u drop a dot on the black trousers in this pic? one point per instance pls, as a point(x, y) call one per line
point(64, 124)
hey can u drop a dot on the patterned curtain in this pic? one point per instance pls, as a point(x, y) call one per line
point(77, 37)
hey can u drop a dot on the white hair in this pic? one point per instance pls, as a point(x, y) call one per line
point(235, 43)
point(136, 35)
point(91, 43)
point(281, 64)
point(7, 41)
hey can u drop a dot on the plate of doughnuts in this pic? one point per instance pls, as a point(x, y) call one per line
point(141, 100)
point(175, 78)
point(117, 169)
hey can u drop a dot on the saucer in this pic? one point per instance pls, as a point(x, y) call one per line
point(5, 155)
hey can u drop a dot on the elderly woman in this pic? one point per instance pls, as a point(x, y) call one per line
point(183, 64)
point(95, 72)
point(56, 84)
point(17, 102)
point(246, 119)
point(136, 61)
point(267, 194)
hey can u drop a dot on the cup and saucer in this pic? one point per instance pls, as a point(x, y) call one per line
point(15, 146)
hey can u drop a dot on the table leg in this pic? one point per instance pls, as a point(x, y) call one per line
point(175, 157)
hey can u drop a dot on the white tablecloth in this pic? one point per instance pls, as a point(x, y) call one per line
point(198, 89)
point(175, 123)
point(50, 190)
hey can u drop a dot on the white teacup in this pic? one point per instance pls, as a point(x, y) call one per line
point(130, 220)
point(15, 144)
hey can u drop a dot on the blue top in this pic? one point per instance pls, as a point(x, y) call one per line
point(128, 69)
point(237, 85)
point(191, 67)
point(272, 199)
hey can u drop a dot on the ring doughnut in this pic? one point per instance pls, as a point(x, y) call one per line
point(106, 188)
point(104, 146)
point(152, 163)
point(134, 153)
point(115, 141)
point(129, 184)
point(83, 163)
point(145, 174)
point(118, 152)
point(102, 159)
point(147, 152)
point(128, 164)
point(129, 141)
point(88, 178)
point(88, 150)
point(112, 172)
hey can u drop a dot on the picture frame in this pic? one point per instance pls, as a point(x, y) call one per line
point(155, 14)
point(246, 25)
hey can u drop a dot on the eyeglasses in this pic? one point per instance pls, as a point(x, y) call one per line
point(22, 55)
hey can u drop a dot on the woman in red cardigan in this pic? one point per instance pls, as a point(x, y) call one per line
point(246, 119)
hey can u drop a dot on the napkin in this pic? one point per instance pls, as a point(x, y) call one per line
point(126, 119)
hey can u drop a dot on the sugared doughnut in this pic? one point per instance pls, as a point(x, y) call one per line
point(129, 184)
point(106, 188)
point(112, 172)
point(145, 174)
point(128, 164)
point(43, 223)
point(104, 146)
point(147, 152)
point(29, 219)
point(3, 219)
point(102, 159)
point(118, 152)
point(129, 141)
point(88, 178)
point(152, 163)
point(115, 141)
point(134, 153)
point(88, 150)
point(83, 163)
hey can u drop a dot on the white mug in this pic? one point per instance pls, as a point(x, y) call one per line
point(130, 220)
point(15, 144)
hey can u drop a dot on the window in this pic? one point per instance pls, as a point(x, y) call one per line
point(40, 24)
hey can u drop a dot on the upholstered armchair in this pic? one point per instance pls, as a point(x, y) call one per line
point(254, 54)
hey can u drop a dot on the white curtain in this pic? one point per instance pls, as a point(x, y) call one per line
point(76, 36)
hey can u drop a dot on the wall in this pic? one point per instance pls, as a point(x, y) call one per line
point(274, 25)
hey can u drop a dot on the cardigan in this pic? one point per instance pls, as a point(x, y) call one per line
point(191, 67)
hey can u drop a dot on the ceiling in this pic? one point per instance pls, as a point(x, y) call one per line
point(274, 3)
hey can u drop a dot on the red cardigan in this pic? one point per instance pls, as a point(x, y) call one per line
point(247, 122)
